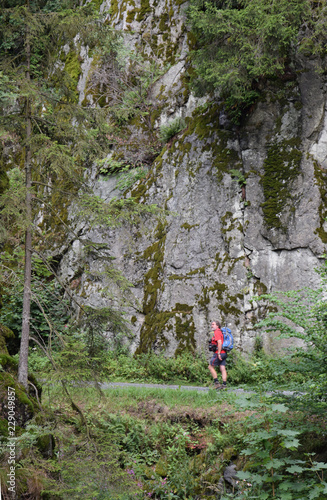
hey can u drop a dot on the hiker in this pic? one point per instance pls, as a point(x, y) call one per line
point(219, 356)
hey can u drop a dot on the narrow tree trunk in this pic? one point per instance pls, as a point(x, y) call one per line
point(23, 354)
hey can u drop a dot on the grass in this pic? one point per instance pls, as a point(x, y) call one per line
point(169, 397)
point(133, 441)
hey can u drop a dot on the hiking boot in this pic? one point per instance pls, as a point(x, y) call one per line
point(221, 386)
point(218, 385)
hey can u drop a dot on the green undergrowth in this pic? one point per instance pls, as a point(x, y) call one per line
point(188, 368)
point(138, 443)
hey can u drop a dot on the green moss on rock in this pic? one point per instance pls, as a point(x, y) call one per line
point(281, 167)
point(73, 68)
point(25, 406)
point(321, 180)
point(155, 321)
point(144, 10)
point(188, 226)
point(46, 445)
point(204, 123)
point(185, 330)
point(5, 333)
point(259, 287)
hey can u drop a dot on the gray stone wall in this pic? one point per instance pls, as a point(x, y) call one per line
point(221, 243)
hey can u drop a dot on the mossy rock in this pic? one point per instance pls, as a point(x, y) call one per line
point(25, 406)
point(148, 473)
point(212, 476)
point(46, 445)
point(5, 333)
point(321, 178)
point(281, 168)
point(10, 365)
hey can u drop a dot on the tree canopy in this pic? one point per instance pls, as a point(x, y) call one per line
point(240, 44)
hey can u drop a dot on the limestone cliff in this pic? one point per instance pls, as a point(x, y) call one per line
point(246, 205)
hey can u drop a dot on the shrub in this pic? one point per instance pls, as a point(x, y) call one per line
point(170, 130)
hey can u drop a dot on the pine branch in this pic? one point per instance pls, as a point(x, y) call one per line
point(72, 298)
point(64, 385)
point(36, 300)
point(48, 186)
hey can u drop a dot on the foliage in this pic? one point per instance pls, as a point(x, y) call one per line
point(66, 136)
point(13, 214)
point(113, 213)
point(121, 84)
point(242, 43)
point(118, 364)
point(302, 314)
point(128, 174)
point(49, 310)
point(47, 131)
point(241, 179)
point(151, 367)
point(164, 444)
point(275, 469)
point(168, 131)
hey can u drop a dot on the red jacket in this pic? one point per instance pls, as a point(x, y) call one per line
point(218, 335)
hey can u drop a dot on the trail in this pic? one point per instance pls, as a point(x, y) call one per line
point(235, 390)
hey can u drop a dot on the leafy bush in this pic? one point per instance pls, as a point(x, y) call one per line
point(274, 466)
point(260, 368)
point(151, 367)
point(128, 174)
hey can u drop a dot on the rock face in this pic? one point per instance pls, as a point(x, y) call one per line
point(246, 205)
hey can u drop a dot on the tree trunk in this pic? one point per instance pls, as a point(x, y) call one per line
point(23, 353)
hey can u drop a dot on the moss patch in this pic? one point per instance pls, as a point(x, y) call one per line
point(25, 406)
point(5, 333)
point(205, 125)
point(157, 323)
point(144, 10)
point(73, 68)
point(185, 330)
point(321, 179)
point(281, 167)
point(228, 304)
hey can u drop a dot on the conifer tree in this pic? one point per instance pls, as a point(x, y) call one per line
point(45, 130)
point(241, 44)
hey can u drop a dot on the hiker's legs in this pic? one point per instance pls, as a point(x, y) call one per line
point(212, 371)
point(214, 362)
point(223, 373)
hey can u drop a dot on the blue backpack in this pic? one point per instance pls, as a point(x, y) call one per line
point(228, 343)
